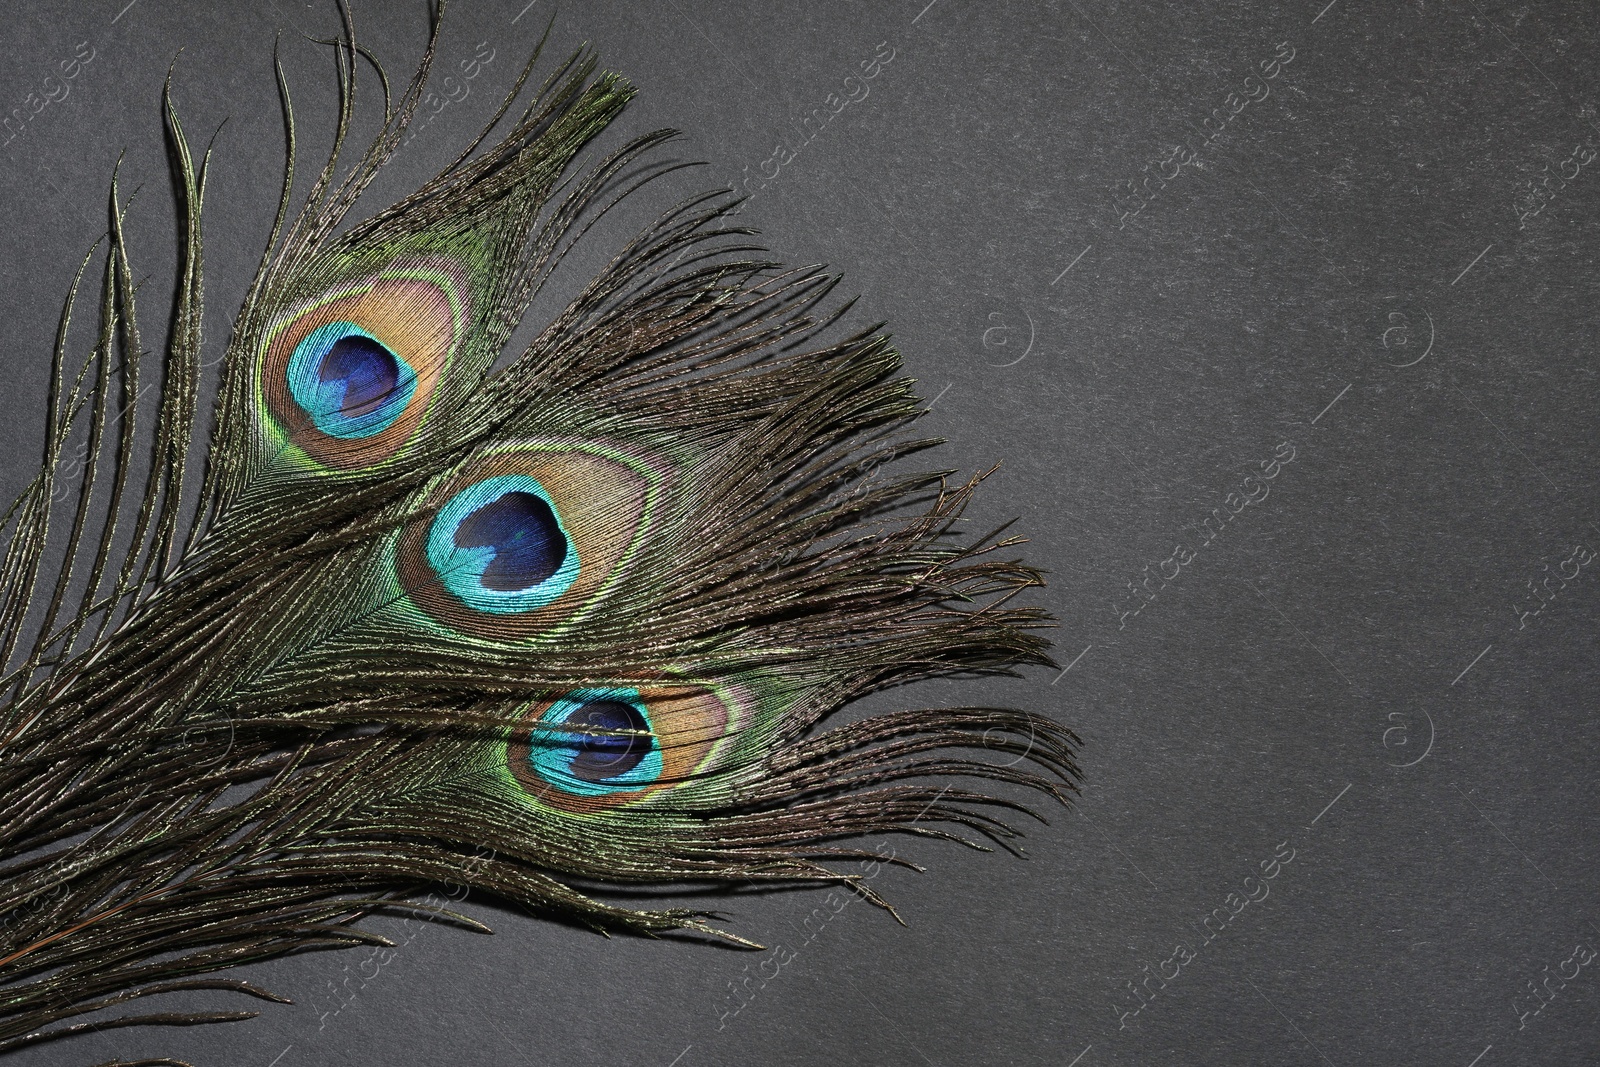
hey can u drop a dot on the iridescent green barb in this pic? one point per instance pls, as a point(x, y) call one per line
point(443, 612)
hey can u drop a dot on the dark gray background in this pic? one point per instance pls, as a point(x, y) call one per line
point(1345, 672)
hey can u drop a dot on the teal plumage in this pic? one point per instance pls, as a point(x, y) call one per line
point(581, 609)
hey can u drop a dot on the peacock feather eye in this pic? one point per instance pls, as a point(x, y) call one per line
point(499, 546)
point(350, 383)
point(347, 379)
point(518, 540)
point(593, 749)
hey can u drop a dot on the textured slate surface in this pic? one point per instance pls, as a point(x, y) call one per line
point(1321, 275)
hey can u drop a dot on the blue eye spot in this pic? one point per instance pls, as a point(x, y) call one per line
point(349, 382)
point(596, 764)
point(500, 547)
point(527, 540)
point(599, 757)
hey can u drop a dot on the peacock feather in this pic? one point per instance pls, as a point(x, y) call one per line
point(426, 607)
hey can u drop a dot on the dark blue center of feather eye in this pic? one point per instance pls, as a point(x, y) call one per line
point(621, 755)
point(529, 545)
point(351, 384)
point(597, 758)
point(369, 372)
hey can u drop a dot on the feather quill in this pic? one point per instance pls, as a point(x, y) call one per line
point(440, 612)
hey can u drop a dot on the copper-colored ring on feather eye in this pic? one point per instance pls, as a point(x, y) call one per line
point(688, 722)
point(602, 496)
point(412, 316)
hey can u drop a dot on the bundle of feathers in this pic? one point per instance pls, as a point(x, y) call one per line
point(425, 610)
